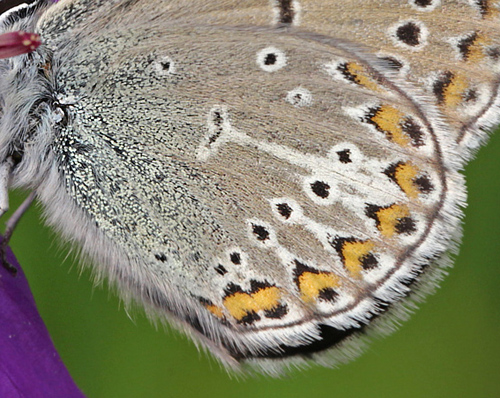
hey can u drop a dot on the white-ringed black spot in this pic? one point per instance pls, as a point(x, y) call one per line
point(164, 66)
point(235, 258)
point(260, 232)
point(344, 156)
point(271, 59)
point(321, 189)
point(299, 97)
point(409, 33)
point(284, 210)
point(422, 3)
point(425, 5)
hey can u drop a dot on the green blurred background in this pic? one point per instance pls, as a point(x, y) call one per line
point(450, 347)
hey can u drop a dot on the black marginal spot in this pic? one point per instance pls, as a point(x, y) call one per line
point(321, 189)
point(165, 65)
point(204, 301)
point(161, 257)
point(249, 318)
point(465, 44)
point(277, 312)
point(344, 156)
point(297, 97)
point(327, 294)
point(423, 3)
point(221, 270)
point(195, 322)
point(235, 258)
point(471, 95)
point(405, 225)
point(393, 63)
point(338, 244)
point(284, 210)
point(493, 53)
point(424, 184)
point(287, 13)
point(409, 34)
point(260, 232)
point(349, 75)
point(369, 261)
point(270, 59)
point(328, 337)
point(414, 131)
point(441, 84)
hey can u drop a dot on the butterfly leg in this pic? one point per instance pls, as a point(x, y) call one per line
point(11, 223)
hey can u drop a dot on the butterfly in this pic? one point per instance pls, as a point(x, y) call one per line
point(279, 179)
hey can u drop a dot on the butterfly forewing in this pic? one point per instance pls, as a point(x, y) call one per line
point(448, 48)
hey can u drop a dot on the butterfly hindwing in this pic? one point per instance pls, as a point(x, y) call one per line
point(271, 188)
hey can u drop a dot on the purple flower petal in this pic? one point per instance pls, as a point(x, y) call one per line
point(29, 363)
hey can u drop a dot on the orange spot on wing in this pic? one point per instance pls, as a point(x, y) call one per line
point(240, 304)
point(311, 284)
